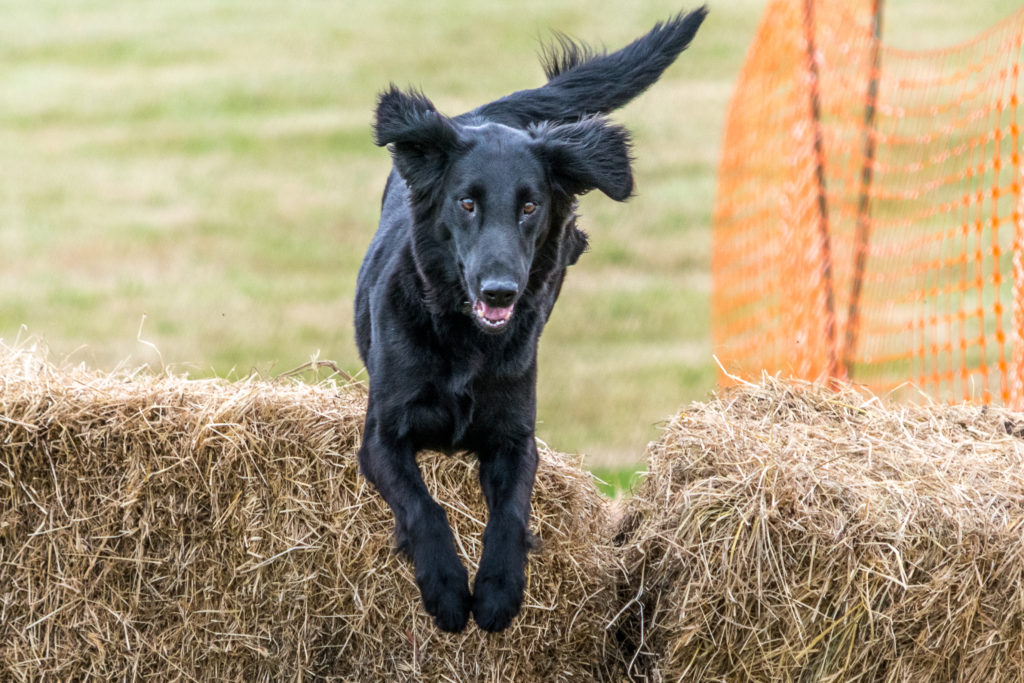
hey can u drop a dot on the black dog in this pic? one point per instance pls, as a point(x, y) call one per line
point(477, 229)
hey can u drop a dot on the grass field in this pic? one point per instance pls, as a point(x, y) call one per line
point(207, 168)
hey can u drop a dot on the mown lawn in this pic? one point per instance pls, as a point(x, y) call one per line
point(193, 184)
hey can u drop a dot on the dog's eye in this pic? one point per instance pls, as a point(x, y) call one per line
point(529, 207)
point(467, 204)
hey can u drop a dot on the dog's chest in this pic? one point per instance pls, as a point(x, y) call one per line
point(441, 410)
point(455, 381)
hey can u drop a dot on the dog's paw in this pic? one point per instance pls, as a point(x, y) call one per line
point(497, 598)
point(445, 592)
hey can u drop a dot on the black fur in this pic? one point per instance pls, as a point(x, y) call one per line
point(476, 232)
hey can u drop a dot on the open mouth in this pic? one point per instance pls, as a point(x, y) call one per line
point(492, 318)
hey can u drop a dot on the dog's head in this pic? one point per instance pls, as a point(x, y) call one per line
point(491, 190)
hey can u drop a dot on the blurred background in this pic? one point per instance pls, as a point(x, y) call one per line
point(193, 184)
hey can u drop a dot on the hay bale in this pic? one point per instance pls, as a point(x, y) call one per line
point(159, 527)
point(786, 532)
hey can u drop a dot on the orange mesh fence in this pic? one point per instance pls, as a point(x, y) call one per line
point(868, 221)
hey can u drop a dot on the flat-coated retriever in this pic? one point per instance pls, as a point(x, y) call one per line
point(476, 231)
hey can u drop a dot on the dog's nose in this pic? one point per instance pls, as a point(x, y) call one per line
point(498, 293)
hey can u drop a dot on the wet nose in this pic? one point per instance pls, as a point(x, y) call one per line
point(498, 293)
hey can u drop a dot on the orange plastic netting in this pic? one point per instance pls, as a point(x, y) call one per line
point(868, 221)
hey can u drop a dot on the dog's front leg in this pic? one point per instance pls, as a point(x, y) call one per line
point(421, 526)
point(506, 477)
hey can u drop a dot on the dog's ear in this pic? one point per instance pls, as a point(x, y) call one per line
point(588, 154)
point(420, 138)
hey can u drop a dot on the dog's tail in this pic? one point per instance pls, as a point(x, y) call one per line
point(582, 82)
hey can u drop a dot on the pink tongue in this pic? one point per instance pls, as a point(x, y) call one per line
point(492, 313)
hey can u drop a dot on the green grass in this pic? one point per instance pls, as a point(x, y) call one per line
point(209, 167)
point(617, 482)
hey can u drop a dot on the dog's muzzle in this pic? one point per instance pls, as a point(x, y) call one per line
point(494, 306)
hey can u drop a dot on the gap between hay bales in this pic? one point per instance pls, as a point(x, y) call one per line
point(160, 527)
